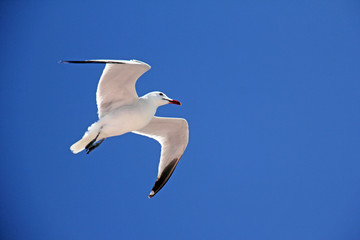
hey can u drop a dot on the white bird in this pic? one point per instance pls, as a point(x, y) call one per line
point(120, 111)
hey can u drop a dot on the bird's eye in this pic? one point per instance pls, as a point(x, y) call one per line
point(161, 94)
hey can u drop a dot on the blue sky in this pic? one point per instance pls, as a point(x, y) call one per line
point(270, 90)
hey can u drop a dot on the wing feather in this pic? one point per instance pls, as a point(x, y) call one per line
point(173, 135)
point(117, 83)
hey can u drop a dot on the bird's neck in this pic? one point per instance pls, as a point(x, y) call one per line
point(148, 103)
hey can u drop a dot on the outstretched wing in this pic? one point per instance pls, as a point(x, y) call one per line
point(173, 135)
point(116, 87)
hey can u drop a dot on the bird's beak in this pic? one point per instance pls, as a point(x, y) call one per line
point(172, 101)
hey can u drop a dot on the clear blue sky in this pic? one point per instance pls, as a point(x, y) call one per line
point(271, 91)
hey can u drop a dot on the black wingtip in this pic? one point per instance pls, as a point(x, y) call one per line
point(68, 61)
point(76, 61)
point(93, 61)
point(165, 176)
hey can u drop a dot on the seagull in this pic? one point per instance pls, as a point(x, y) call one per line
point(120, 111)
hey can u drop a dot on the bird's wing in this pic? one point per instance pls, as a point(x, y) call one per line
point(117, 83)
point(173, 135)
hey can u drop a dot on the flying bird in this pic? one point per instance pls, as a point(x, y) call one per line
point(120, 111)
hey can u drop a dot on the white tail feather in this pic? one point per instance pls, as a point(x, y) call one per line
point(80, 145)
point(90, 135)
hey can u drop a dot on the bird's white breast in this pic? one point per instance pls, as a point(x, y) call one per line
point(127, 118)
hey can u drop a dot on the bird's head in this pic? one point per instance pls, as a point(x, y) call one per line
point(160, 98)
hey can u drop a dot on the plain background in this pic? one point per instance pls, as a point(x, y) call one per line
point(270, 90)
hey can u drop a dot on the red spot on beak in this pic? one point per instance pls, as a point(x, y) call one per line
point(174, 102)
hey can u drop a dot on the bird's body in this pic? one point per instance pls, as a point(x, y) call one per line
point(119, 121)
point(121, 111)
point(128, 118)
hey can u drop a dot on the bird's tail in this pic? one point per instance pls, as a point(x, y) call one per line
point(89, 136)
